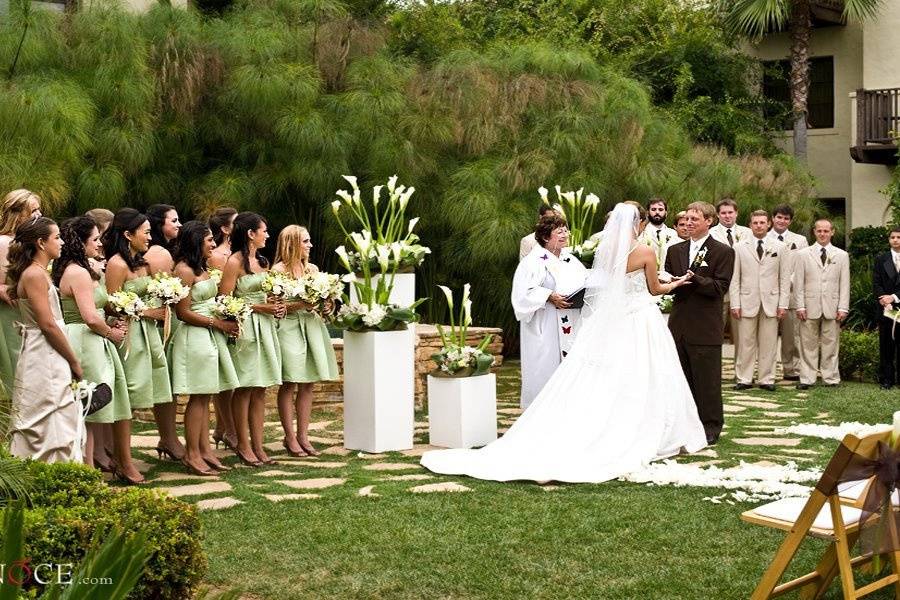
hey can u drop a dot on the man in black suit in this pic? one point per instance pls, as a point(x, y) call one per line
point(696, 321)
point(886, 284)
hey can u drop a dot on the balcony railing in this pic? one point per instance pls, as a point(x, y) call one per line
point(877, 121)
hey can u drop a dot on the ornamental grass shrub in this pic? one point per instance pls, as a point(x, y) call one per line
point(859, 355)
point(72, 508)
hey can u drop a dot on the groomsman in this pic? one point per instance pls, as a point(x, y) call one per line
point(729, 232)
point(681, 225)
point(789, 327)
point(822, 294)
point(759, 299)
point(886, 284)
point(656, 234)
point(528, 243)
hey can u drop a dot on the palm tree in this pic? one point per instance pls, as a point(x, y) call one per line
point(755, 18)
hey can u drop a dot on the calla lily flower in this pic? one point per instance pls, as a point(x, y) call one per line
point(449, 295)
point(344, 257)
point(412, 224)
point(352, 180)
point(336, 206)
point(392, 183)
point(376, 194)
point(542, 191)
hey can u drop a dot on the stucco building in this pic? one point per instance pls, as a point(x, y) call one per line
point(854, 105)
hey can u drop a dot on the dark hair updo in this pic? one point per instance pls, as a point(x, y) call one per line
point(189, 246)
point(544, 229)
point(156, 214)
point(127, 220)
point(24, 247)
point(244, 223)
point(219, 219)
point(75, 233)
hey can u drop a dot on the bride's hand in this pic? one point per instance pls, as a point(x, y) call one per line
point(680, 281)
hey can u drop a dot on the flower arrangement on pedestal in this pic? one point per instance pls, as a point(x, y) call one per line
point(386, 223)
point(456, 358)
point(376, 255)
point(578, 211)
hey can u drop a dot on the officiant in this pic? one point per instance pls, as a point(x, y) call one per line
point(548, 321)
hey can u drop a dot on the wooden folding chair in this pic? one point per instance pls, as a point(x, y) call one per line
point(839, 524)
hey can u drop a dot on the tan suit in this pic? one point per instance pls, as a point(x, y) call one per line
point(822, 291)
point(739, 234)
point(528, 243)
point(789, 327)
point(759, 287)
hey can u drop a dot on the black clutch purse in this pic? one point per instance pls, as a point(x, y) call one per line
point(576, 299)
point(99, 399)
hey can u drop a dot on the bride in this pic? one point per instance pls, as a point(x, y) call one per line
point(618, 401)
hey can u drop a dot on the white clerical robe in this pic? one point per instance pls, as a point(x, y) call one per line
point(546, 333)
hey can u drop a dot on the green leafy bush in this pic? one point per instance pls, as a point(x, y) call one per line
point(864, 310)
point(867, 242)
point(72, 508)
point(859, 355)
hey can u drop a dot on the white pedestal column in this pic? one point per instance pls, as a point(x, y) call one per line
point(379, 390)
point(403, 293)
point(462, 411)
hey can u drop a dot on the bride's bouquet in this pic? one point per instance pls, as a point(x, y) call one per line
point(165, 290)
point(127, 304)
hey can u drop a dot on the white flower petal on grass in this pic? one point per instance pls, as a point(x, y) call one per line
point(832, 432)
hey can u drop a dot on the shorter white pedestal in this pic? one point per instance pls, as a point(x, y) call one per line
point(403, 293)
point(462, 411)
point(379, 390)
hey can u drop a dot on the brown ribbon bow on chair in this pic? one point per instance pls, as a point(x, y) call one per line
point(886, 471)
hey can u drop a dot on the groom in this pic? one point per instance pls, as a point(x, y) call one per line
point(696, 321)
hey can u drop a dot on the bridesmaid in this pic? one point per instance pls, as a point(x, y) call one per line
point(199, 361)
point(102, 217)
point(143, 356)
point(45, 423)
point(220, 223)
point(84, 299)
point(306, 352)
point(17, 207)
point(164, 228)
point(256, 355)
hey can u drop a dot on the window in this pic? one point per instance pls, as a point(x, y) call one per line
point(776, 90)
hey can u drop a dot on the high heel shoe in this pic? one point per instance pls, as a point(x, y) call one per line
point(163, 451)
point(246, 461)
point(199, 472)
point(293, 452)
point(221, 439)
point(216, 466)
point(309, 449)
point(123, 478)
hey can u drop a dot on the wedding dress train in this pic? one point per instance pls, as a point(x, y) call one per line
point(617, 402)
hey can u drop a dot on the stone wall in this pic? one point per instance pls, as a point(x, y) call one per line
point(428, 342)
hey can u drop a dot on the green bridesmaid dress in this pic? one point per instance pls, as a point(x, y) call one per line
point(306, 352)
point(144, 357)
point(10, 343)
point(257, 353)
point(199, 360)
point(99, 358)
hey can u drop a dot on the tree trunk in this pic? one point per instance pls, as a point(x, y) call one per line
point(801, 29)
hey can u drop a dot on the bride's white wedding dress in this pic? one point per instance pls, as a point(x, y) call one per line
point(617, 402)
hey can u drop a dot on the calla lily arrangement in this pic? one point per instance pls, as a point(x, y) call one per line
point(384, 256)
point(578, 211)
point(456, 359)
point(386, 223)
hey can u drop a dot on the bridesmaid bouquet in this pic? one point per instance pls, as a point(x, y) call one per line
point(281, 286)
point(215, 275)
point(165, 290)
point(127, 304)
point(232, 308)
point(320, 289)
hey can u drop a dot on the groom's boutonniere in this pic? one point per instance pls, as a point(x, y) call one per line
point(699, 260)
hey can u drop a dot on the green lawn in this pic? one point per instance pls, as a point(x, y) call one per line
point(614, 540)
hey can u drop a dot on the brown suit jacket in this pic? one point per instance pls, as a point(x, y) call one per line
point(697, 313)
